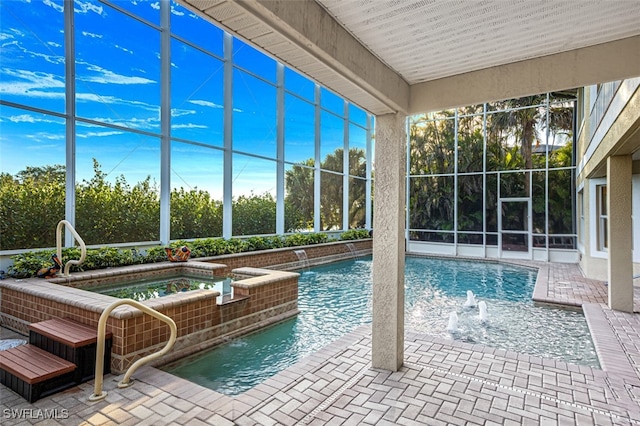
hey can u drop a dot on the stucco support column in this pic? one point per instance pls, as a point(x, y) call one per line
point(388, 242)
point(619, 233)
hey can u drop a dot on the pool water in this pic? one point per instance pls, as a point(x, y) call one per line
point(142, 290)
point(335, 299)
point(437, 287)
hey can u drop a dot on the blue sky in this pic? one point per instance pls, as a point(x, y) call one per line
point(118, 84)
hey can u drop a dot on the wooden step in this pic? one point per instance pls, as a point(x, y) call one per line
point(72, 341)
point(67, 331)
point(33, 372)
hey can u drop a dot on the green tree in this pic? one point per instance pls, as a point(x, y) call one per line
point(522, 123)
point(470, 159)
point(560, 204)
point(299, 196)
point(116, 212)
point(331, 192)
point(194, 214)
point(254, 214)
point(511, 138)
point(299, 182)
point(31, 205)
point(432, 150)
point(432, 145)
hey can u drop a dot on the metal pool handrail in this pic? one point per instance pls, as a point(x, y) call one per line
point(98, 394)
point(83, 247)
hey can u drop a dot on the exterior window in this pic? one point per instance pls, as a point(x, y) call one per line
point(601, 193)
point(581, 217)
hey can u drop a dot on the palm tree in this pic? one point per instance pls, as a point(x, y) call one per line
point(524, 117)
point(512, 131)
point(299, 182)
point(299, 194)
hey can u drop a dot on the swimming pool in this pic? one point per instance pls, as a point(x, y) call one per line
point(335, 299)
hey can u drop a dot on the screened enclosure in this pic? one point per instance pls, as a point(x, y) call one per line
point(170, 129)
point(184, 131)
point(494, 175)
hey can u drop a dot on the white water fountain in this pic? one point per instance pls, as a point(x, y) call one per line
point(471, 300)
point(453, 322)
point(303, 260)
point(352, 250)
point(482, 307)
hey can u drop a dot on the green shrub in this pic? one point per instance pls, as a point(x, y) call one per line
point(236, 245)
point(28, 263)
point(355, 234)
point(155, 254)
point(305, 239)
point(258, 243)
point(274, 242)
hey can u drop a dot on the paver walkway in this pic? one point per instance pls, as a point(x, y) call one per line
point(442, 382)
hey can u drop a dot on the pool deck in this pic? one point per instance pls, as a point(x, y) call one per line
point(441, 382)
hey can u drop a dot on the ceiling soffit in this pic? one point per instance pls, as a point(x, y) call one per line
point(426, 40)
point(421, 42)
point(324, 52)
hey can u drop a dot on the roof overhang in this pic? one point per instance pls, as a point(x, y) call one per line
point(323, 39)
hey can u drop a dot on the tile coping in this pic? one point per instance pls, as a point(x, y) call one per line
point(54, 289)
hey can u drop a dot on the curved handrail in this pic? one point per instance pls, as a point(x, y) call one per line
point(98, 394)
point(83, 247)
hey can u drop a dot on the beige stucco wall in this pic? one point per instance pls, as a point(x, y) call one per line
point(389, 244)
point(595, 265)
point(620, 136)
point(618, 133)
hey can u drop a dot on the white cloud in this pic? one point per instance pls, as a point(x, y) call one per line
point(22, 118)
point(11, 38)
point(82, 7)
point(54, 6)
point(110, 100)
point(47, 137)
point(10, 34)
point(97, 134)
point(92, 35)
point(189, 126)
point(206, 103)
point(181, 112)
point(31, 83)
point(104, 76)
point(176, 12)
point(124, 49)
point(149, 123)
point(9, 41)
point(92, 97)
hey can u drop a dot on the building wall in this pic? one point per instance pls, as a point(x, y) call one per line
point(609, 124)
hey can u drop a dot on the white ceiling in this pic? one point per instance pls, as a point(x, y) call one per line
point(425, 40)
point(387, 48)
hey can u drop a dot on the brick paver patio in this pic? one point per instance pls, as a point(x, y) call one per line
point(442, 382)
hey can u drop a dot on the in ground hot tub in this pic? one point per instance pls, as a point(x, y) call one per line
point(258, 297)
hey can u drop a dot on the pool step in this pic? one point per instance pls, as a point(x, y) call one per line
point(33, 372)
point(73, 341)
point(66, 343)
